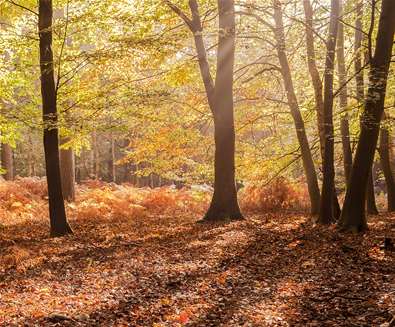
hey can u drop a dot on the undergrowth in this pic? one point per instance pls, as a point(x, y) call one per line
point(281, 194)
point(26, 198)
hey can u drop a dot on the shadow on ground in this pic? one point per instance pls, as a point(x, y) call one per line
point(270, 270)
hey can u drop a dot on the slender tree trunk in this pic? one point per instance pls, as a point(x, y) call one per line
point(67, 169)
point(385, 161)
point(95, 157)
point(344, 123)
point(59, 225)
point(358, 50)
point(371, 207)
point(128, 167)
point(111, 166)
point(30, 157)
point(29, 172)
point(7, 162)
point(308, 163)
point(314, 73)
point(360, 55)
point(353, 216)
point(317, 86)
point(77, 164)
point(327, 212)
point(138, 184)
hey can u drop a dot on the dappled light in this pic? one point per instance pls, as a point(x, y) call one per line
point(169, 163)
point(272, 269)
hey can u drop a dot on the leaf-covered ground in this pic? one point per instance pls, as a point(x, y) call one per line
point(163, 269)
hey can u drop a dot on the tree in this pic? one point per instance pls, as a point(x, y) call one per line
point(7, 162)
point(67, 169)
point(371, 207)
point(343, 97)
point(94, 154)
point(327, 213)
point(307, 159)
point(67, 162)
point(317, 86)
point(112, 162)
point(57, 214)
point(224, 204)
point(360, 57)
point(353, 216)
point(314, 73)
point(385, 160)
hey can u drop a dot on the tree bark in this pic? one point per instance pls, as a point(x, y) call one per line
point(224, 204)
point(353, 217)
point(344, 122)
point(371, 207)
point(358, 50)
point(31, 171)
point(327, 212)
point(385, 161)
point(67, 166)
point(7, 162)
point(360, 56)
point(308, 163)
point(392, 153)
point(314, 73)
point(58, 221)
point(95, 157)
point(111, 162)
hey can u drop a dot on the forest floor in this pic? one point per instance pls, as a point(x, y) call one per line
point(162, 269)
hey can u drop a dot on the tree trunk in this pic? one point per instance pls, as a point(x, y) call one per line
point(353, 217)
point(392, 152)
point(77, 164)
point(385, 161)
point(67, 169)
point(224, 204)
point(358, 50)
point(327, 212)
point(371, 206)
point(7, 162)
point(31, 171)
point(308, 163)
point(344, 123)
point(95, 157)
point(58, 221)
point(314, 73)
point(360, 55)
point(111, 166)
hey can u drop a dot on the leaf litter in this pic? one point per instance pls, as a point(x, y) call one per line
point(157, 267)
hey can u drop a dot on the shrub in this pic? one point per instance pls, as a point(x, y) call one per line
point(278, 195)
point(106, 202)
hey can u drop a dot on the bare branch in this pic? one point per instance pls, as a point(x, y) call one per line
point(181, 14)
point(62, 47)
point(371, 28)
point(22, 7)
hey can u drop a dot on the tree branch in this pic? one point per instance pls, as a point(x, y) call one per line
point(181, 14)
point(22, 7)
